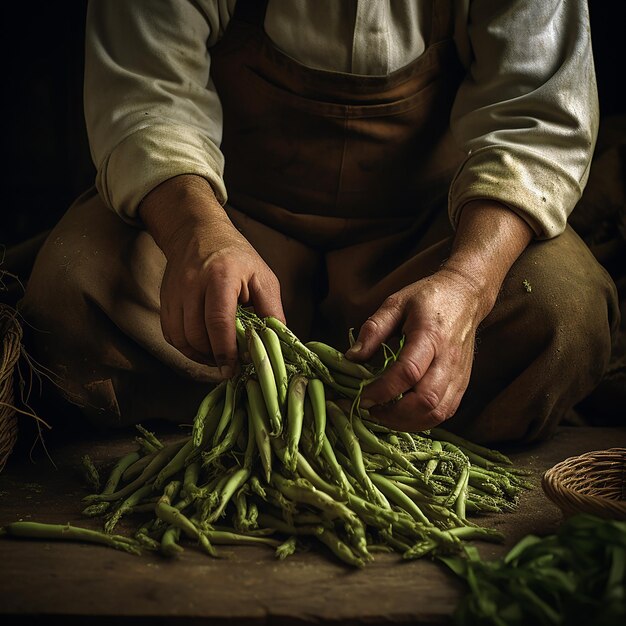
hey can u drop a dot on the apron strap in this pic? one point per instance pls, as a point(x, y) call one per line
point(251, 11)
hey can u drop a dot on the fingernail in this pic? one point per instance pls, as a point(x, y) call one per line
point(226, 371)
point(357, 347)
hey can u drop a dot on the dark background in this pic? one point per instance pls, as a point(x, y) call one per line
point(44, 141)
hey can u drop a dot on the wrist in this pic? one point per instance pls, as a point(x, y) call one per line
point(480, 295)
point(180, 208)
point(489, 239)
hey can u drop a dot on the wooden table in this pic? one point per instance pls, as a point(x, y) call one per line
point(44, 582)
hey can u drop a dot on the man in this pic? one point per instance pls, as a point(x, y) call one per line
point(399, 167)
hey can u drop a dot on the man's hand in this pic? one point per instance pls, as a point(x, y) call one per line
point(210, 268)
point(439, 316)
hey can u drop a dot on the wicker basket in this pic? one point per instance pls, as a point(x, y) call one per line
point(593, 483)
point(10, 350)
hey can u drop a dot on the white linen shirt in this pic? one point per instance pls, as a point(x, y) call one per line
point(526, 115)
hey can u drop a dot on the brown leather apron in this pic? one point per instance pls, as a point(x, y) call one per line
point(340, 183)
point(333, 159)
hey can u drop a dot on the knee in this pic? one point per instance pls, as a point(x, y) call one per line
point(545, 346)
point(565, 297)
point(89, 255)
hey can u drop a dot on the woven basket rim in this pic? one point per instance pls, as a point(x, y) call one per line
point(570, 500)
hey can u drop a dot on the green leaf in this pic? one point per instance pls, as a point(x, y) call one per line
point(520, 547)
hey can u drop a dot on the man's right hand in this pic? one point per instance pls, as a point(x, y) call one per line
point(211, 268)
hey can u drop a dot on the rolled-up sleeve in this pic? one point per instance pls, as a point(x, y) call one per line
point(151, 110)
point(527, 113)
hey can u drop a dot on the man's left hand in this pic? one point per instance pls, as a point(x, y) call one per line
point(438, 316)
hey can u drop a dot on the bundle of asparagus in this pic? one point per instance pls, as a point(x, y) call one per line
point(282, 454)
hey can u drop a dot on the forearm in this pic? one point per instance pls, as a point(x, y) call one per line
point(489, 238)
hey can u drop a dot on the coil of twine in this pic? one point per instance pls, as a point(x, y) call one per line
point(10, 350)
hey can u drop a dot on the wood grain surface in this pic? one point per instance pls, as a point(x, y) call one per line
point(45, 582)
